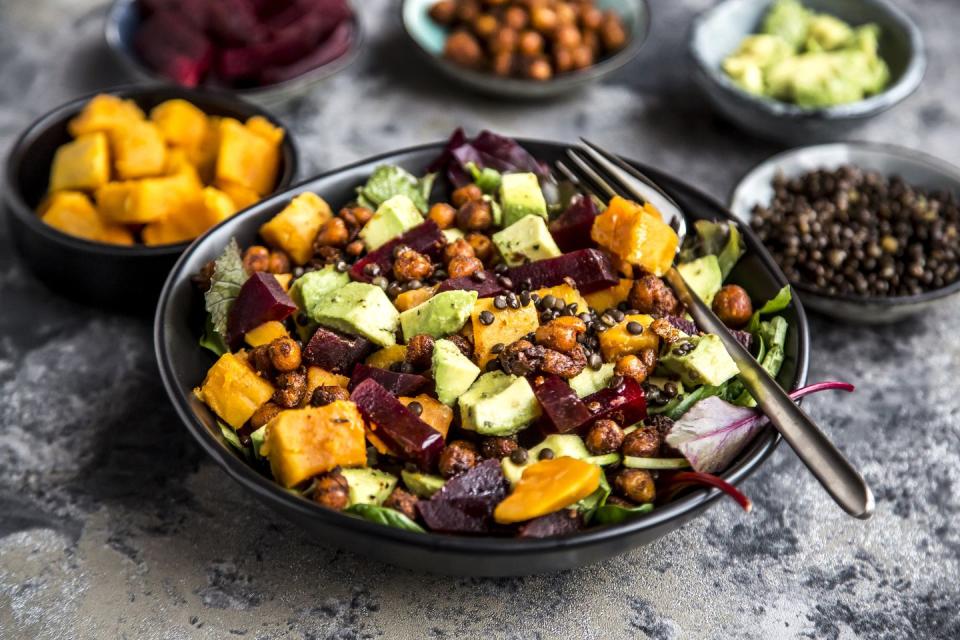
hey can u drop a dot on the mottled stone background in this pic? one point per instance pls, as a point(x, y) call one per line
point(113, 524)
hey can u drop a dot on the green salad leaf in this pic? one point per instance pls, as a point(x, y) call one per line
point(233, 439)
point(721, 239)
point(777, 303)
point(588, 506)
point(387, 181)
point(228, 276)
point(487, 179)
point(211, 339)
point(385, 516)
point(615, 514)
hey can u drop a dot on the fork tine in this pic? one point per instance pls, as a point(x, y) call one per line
point(588, 171)
point(574, 179)
point(600, 154)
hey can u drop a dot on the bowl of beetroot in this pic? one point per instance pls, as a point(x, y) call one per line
point(265, 51)
point(434, 397)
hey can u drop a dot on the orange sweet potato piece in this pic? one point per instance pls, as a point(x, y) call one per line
point(265, 333)
point(547, 486)
point(636, 234)
point(149, 199)
point(138, 150)
point(246, 157)
point(104, 113)
point(384, 358)
point(296, 227)
point(413, 297)
point(181, 123)
point(508, 326)
point(566, 293)
point(72, 213)
point(318, 377)
point(83, 164)
point(233, 390)
point(617, 341)
point(610, 298)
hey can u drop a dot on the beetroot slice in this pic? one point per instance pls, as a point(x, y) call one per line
point(558, 523)
point(466, 502)
point(233, 21)
point(563, 411)
point(571, 230)
point(174, 48)
point(396, 425)
point(261, 299)
point(486, 288)
point(425, 238)
point(590, 269)
point(334, 351)
point(332, 48)
point(399, 384)
point(625, 404)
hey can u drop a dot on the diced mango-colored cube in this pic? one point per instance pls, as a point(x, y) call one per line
point(138, 150)
point(116, 234)
point(181, 123)
point(547, 486)
point(72, 213)
point(204, 156)
point(302, 443)
point(265, 333)
point(565, 292)
point(242, 196)
point(233, 390)
point(246, 157)
point(387, 357)
point(191, 220)
point(150, 199)
point(318, 377)
point(508, 326)
point(83, 164)
point(610, 297)
point(265, 129)
point(617, 341)
point(636, 234)
point(284, 279)
point(295, 228)
point(413, 297)
point(104, 113)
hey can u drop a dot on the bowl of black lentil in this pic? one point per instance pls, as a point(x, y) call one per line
point(866, 232)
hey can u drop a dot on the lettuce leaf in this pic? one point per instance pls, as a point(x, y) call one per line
point(387, 181)
point(228, 276)
point(721, 239)
point(778, 303)
point(615, 514)
point(384, 516)
point(486, 178)
point(212, 340)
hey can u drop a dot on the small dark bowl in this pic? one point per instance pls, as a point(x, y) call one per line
point(183, 365)
point(124, 18)
point(916, 168)
point(112, 276)
point(429, 38)
point(717, 33)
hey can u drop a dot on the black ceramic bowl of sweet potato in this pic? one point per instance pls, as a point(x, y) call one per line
point(126, 278)
point(184, 364)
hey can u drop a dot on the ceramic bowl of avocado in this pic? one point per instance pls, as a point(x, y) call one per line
point(828, 87)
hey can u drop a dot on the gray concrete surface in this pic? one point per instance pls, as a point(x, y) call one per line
point(114, 525)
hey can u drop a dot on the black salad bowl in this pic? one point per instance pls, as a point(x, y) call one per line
point(183, 364)
point(123, 278)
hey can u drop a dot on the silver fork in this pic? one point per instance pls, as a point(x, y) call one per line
point(605, 175)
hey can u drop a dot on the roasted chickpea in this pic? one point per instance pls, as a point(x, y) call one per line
point(259, 359)
point(465, 194)
point(267, 412)
point(666, 331)
point(355, 248)
point(567, 37)
point(332, 490)
point(285, 354)
point(463, 266)
point(256, 258)
point(355, 216)
point(444, 12)
point(325, 394)
point(562, 60)
point(279, 262)
point(612, 33)
point(530, 43)
point(503, 41)
point(420, 351)
point(732, 305)
point(590, 17)
point(410, 265)
point(459, 247)
point(443, 214)
point(539, 69)
point(465, 346)
point(475, 216)
point(638, 366)
point(543, 19)
point(503, 63)
point(333, 233)
point(485, 25)
point(566, 365)
point(560, 334)
point(498, 446)
point(402, 501)
point(291, 386)
point(482, 246)
point(457, 457)
point(582, 56)
point(516, 18)
point(605, 436)
point(636, 485)
point(592, 40)
point(642, 443)
point(650, 294)
point(467, 10)
point(463, 49)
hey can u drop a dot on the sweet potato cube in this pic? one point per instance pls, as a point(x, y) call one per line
point(547, 486)
point(413, 297)
point(242, 196)
point(508, 326)
point(636, 234)
point(617, 341)
point(246, 157)
point(72, 213)
point(233, 390)
point(319, 377)
point(387, 357)
point(565, 292)
point(83, 164)
point(265, 129)
point(204, 156)
point(180, 123)
point(302, 443)
point(103, 114)
point(610, 297)
point(116, 234)
point(295, 228)
point(265, 333)
point(138, 150)
point(150, 199)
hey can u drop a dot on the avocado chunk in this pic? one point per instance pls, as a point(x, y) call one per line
point(369, 486)
point(826, 33)
point(440, 316)
point(590, 381)
point(526, 240)
point(392, 218)
point(790, 20)
point(361, 309)
point(422, 485)
point(498, 404)
point(562, 444)
point(706, 363)
point(309, 289)
point(520, 196)
point(453, 372)
point(703, 275)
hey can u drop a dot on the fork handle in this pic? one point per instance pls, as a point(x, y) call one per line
point(841, 480)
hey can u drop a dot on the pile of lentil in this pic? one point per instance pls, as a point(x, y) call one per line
point(856, 232)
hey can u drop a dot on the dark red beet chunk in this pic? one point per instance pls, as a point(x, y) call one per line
point(558, 523)
point(174, 47)
point(562, 409)
point(233, 21)
point(334, 351)
point(425, 238)
point(399, 384)
point(261, 299)
point(571, 230)
point(486, 288)
point(465, 504)
point(625, 404)
point(590, 269)
point(331, 49)
point(397, 425)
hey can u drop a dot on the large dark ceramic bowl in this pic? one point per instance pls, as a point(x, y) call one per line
point(183, 365)
point(118, 277)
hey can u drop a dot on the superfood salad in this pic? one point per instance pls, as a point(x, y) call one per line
point(502, 361)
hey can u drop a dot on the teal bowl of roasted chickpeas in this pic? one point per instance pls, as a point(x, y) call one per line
point(527, 49)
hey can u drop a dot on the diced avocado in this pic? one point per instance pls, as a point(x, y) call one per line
point(589, 381)
point(826, 33)
point(311, 287)
point(703, 275)
point(605, 459)
point(707, 363)
point(498, 404)
point(520, 196)
point(422, 485)
point(788, 19)
point(562, 444)
point(393, 217)
point(369, 486)
point(453, 372)
point(452, 234)
point(442, 315)
point(361, 309)
point(526, 240)
point(256, 440)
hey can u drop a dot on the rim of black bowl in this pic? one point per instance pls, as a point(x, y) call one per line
point(908, 82)
point(267, 92)
point(749, 461)
point(22, 147)
point(598, 70)
point(889, 301)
